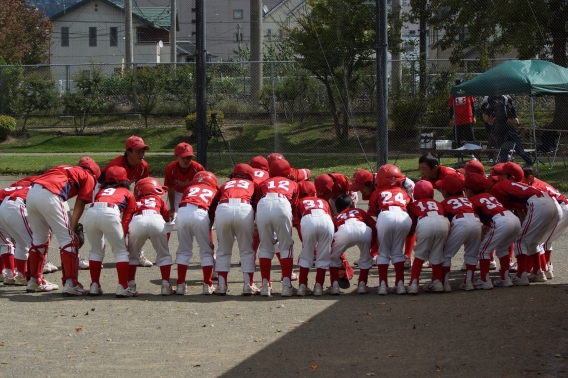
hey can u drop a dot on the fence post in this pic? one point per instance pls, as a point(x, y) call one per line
point(135, 97)
point(1, 90)
point(273, 98)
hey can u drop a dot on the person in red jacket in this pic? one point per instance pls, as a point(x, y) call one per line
point(462, 116)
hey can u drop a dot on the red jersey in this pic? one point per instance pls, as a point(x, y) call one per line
point(421, 208)
point(68, 182)
point(259, 175)
point(486, 207)
point(238, 188)
point(153, 202)
point(514, 195)
point(361, 216)
point(280, 185)
point(463, 109)
point(304, 206)
point(384, 198)
point(121, 197)
point(135, 173)
point(14, 192)
point(340, 185)
point(203, 196)
point(551, 190)
point(178, 178)
point(302, 174)
point(457, 205)
point(407, 185)
point(444, 171)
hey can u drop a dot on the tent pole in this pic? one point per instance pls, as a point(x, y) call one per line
point(531, 105)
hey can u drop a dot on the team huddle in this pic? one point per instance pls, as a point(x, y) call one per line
point(508, 214)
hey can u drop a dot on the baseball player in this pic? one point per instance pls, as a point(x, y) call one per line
point(312, 219)
point(102, 219)
point(432, 228)
point(46, 210)
point(179, 175)
point(354, 227)
point(330, 185)
point(431, 170)
point(136, 169)
point(388, 203)
point(151, 220)
point(260, 166)
point(538, 213)
point(529, 179)
point(194, 219)
point(14, 225)
point(501, 228)
point(276, 198)
point(234, 217)
point(300, 174)
point(465, 226)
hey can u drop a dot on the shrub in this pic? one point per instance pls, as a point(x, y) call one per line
point(406, 114)
point(7, 126)
point(191, 122)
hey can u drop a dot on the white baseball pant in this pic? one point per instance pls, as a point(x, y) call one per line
point(317, 231)
point(177, 200)
point(193, 221)
point(102, 221)
point(353, 232)
point(234, 219)
point(464, 231)
point(541, 216)
point(431, 235)
point(559, 230)
point(14, 218)
point(274, 216)
point(149, 225)
point(392, 228)
point(503, 231)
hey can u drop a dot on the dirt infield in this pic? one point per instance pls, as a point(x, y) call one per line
point(518, 331)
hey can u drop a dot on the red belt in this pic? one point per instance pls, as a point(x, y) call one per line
point(184, 204)
point(226, 200)
point(461, 215)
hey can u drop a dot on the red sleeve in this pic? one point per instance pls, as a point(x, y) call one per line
point(128, 212)
point(373, 209)
point(87, 186)
point(168, 176)
point(500, 194)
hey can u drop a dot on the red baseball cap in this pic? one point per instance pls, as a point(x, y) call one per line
point(259, 162)
point(136, 143)
point(515, 170)
point(359, 179)
point(497, 171)
point(477, 182)
point(183, 149)
point(451, 183)
point(474, 166)
point(116, 174)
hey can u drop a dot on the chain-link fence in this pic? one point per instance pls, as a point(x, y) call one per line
point(326, 123)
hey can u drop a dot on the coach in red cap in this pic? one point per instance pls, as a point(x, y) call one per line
point(474, 166)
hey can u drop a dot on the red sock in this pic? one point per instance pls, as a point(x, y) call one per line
point(22, 266)
point(437, 272)
point(207, 274)
point(521, 265)
point(416, 269)
point(2, 266)
point(445, 271)
point(399, 272)
point(504, 262)
point(165, 272)
point(363, 275)
point(548, 255)
point(320, 275)
point(543, 264)
point(303, 279)
point(95, 268)
point(512, 251)
point(265, 267)
point(278, 257)
point(409, 245)
point(132, 272)
point(287, 264)
point(333, 274)
point(250, 278)
point(122, 273)
point(529, 264)
point(470, 272)
point(8, 260)
point(484, 269)
point(182, 273)
point(492, 256)
point(536, 262)
point(383, 273)
point(223, 275)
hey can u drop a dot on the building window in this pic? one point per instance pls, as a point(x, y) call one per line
point(238, 14)
point(269, 34)
point(280, 34)
point(114, 36)
point(65, 36)
point(93, 36)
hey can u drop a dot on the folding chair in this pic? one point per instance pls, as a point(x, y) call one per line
point(508, 146)
point(549, 145)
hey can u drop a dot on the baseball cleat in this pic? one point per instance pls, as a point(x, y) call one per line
point(503, 283)
point(383, 289)
point(426, 265)
point(181, 289)
point(132, 285)
point(293, 277)
point(143, 261)
point(520, 281)
point(266, 291)
point(549, 275)
point(74, 291)
point(9, 280)
point(50, 268)
point(400, 288)
point(249, 290)
point(407, 263)
point(166, 289)
point(20, 280)
point(479, 284)
point(287, 291)
point(83, 264)
point(513, 267)
point(221, 290)
point(95, 290)
point(538, 277)
point(208, 290)
point(412, 288)
point(303, 290)
point(433, 287)
point(467, 286)
point(362, 288)
point(47, 286)
point(447, 287)
point(318, 290)
point(334, 289)
point(126, 293)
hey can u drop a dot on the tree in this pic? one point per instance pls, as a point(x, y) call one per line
point(36, 92)
point(180, 85)
point(334, 42)
point(88, 96)
point(490, 28)
point(26, 33)
point(146, 85)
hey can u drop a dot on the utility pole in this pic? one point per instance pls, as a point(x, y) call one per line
point(201, 95)
point(382, 140)
point(423, 46)
point(255, 48)
point(129, 46)
point(396, 63)
point(173, 33)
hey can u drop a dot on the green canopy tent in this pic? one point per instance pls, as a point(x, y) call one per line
point(531, 77)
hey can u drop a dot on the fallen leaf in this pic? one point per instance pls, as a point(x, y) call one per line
point(77, 330)
point(414, 327)
point(314, 366)
point(93, 309)
point(370, 374)
point(87, 313)
point(381, 303)
point(4, 363)
point(558, 355)
point(368, 314)
point(278, 330)
point(74, 315)
point(427, 325)
point(197, 365)
point(237, 314)
point(109, 339)
point(391, 355)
